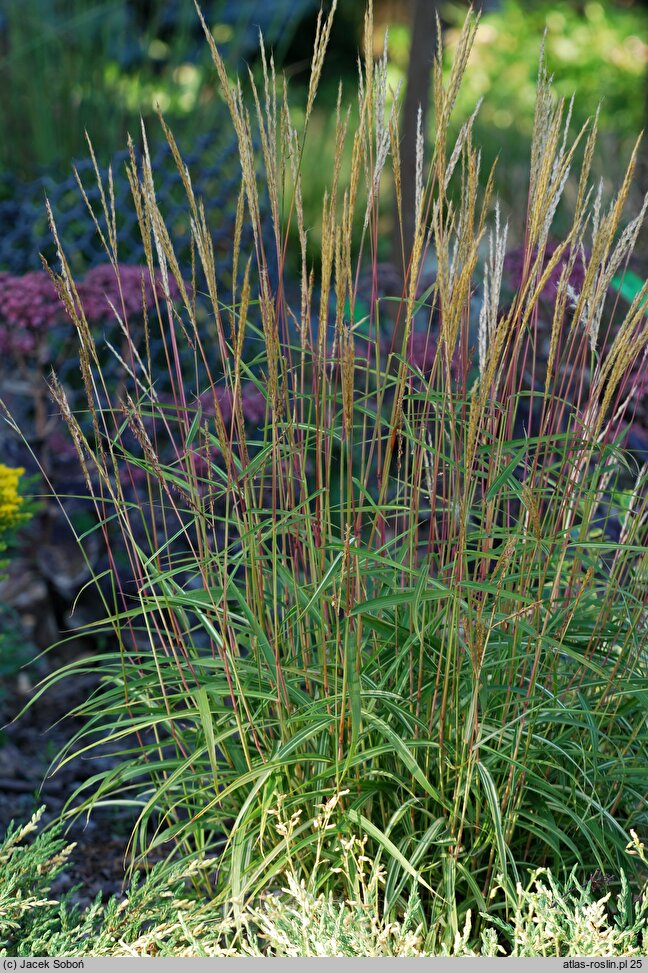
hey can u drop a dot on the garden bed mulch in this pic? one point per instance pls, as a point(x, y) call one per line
point(28, 745)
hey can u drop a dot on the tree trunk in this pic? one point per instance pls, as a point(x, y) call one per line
point(419, 73)
point(641, 250)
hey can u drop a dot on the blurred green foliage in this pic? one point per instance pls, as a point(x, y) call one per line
point(597, 51)
point(67, 66)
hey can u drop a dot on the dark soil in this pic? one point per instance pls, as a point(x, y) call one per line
point(29, 743)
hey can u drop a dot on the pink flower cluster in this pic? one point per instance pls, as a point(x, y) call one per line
point(422, 350)
point(30, 306)
point(514, 268)
point(253, 400)
point(101, 287)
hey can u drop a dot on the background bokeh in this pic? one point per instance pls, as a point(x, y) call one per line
point(71, 66)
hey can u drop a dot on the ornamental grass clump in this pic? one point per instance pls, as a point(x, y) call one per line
point(419, 579)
